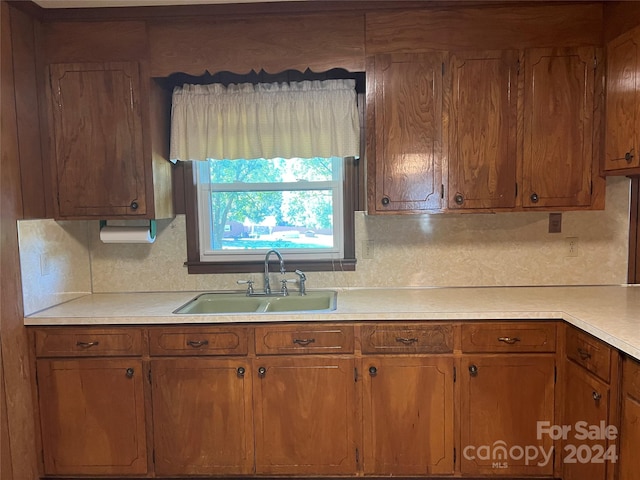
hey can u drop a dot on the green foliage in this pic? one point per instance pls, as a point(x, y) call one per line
point(311, 209)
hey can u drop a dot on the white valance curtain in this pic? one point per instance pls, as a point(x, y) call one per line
point(268, 120)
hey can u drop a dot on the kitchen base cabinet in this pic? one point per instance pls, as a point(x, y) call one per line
point(502, 399)
point(304, 415)
point(507, 385)
point(591, 393)
point(408, 415)
point(202, 416)
point(92, 416)
point(629, 461)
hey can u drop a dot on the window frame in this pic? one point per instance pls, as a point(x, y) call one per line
point(352, 201)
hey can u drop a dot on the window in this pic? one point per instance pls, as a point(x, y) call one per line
point(302, 207)
point(270, 165)
point(247, 207)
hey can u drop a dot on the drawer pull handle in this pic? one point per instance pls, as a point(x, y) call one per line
point(129, 372)
point(87, 344)
point(597, 396)
point(584, 355)
point(407, 341)
point(240, 371)
point(303, 342)
point(509, 340)
point(473, 370)
point(197, 343)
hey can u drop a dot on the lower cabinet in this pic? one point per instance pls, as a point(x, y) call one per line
point(507, 385)
point(591, 376)
point(305, 411)
point(629, 461)
point(408, 415)
point(91, 401)
point(202, 416)
point(411, 399)
point(92, 416)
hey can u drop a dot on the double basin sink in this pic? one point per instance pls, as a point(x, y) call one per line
point(235, 302)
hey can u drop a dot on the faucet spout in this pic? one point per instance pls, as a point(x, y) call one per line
point(267, 286)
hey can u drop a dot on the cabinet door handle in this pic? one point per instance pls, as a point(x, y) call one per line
point(509, 340)
point(129, 372)
point(534, 198)
point(262, 372)
point(197, 343)
point(584, 355)
point(473, 370)
point(373, 371)
point(87, 344)
point(406, 341)
point(240, 371)
point(597, 396)
point(458, 198)
point(303, 341)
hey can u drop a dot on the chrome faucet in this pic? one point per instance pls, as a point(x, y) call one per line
point(267, 286)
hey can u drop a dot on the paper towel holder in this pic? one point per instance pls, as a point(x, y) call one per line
point(153, 228)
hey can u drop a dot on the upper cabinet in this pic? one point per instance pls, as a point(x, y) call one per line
point(623, 105)
point(406, 144)
point(482, 133)
point(97, 128)
point(502, 130)
point(100, 165)
point(558, 154)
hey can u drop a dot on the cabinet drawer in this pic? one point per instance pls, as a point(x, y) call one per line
point(509, 337)
point(631, 378)
point(198, 341)
point(589, 352)
point(304, 339)
point(81, 342)
point(385, 338)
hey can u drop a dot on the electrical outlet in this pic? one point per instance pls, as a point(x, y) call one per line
point(367, 249)
point(571, 246)
point(45, 264)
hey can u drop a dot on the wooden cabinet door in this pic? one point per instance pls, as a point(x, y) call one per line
point(629, 461)
point(482, 131)
point(305, 417)
point(558, 127)
point(98, 149)
point(202, 416)
point(408, 415)
point(588, 400)
point(623, 103)
point(406, 167)
point(92, 416)
point(502, 399)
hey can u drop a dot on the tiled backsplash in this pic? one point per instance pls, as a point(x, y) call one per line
point(408, 250)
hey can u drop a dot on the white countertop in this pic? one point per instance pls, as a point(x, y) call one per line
point(611, 313)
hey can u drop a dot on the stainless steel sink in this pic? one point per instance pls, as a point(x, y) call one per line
point(219, 303)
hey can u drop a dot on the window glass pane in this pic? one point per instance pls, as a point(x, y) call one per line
point(272, 219)
point(273, 170)
point(250, 206)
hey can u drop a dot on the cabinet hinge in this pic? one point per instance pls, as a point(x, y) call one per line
point(149, 377)
point(516, 189)
point(357, 457)
point(355, 374)
point(442, 190)
point(454, 456)
point(518, 67)
point(454, 374)
point(555, 374)
point(595, 62)
point(153, 456)
point(591, 187)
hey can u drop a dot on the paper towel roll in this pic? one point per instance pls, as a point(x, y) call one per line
point(117, 234)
